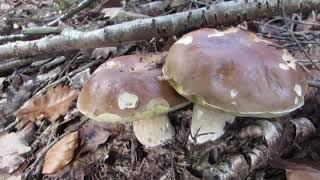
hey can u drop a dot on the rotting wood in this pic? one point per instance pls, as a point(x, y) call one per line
point(227, 13)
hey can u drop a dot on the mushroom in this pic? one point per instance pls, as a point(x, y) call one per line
point(128, 88)
point(232, 73)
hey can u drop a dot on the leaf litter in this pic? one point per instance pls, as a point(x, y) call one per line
point(107, 150)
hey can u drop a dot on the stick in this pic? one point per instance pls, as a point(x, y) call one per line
point(16, 63)
point(226, 13)
point(84, 4)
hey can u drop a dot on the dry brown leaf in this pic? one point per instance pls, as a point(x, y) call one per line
point(60, 154)
point(55, 103)
point(95, 133)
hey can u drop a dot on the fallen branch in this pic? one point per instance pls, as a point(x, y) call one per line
point(14, 37)
point(230, 12)
point(238, 166)
point(16, 63)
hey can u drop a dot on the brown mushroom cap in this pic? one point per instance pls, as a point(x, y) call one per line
point(119, 95)
point(235, 71)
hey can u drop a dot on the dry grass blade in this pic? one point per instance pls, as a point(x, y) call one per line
point(55, 103)
point(60, 154)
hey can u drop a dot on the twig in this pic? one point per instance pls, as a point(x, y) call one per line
point(43, 136)
point(84, 4)
point(10, 126)
point(144, 29)
point(26, 35)
point(304, 51)
point(64, 78)
point(17, 63)
point(293, 38)
point(41, 31)
point(313, 83)
point(54, 62)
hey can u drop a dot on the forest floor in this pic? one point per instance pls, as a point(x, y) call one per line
point(111, 151)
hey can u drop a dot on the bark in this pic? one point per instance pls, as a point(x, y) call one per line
point(238, 166)
point(231, 12)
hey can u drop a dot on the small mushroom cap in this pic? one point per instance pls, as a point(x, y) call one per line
point(117, 95)
point(235, 71)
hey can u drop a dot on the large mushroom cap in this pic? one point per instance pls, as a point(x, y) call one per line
point(118, 95)
point(235, 71)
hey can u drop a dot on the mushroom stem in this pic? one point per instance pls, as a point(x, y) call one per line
point(207, 124)
point(153, 132)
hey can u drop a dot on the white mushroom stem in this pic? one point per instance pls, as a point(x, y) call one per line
point(207, 124)
point(154, 131)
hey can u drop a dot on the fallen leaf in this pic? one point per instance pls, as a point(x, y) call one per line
point(95, 133)
point(12, 145)
point(55, 103)
point(60, 154)
point(85, 166)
